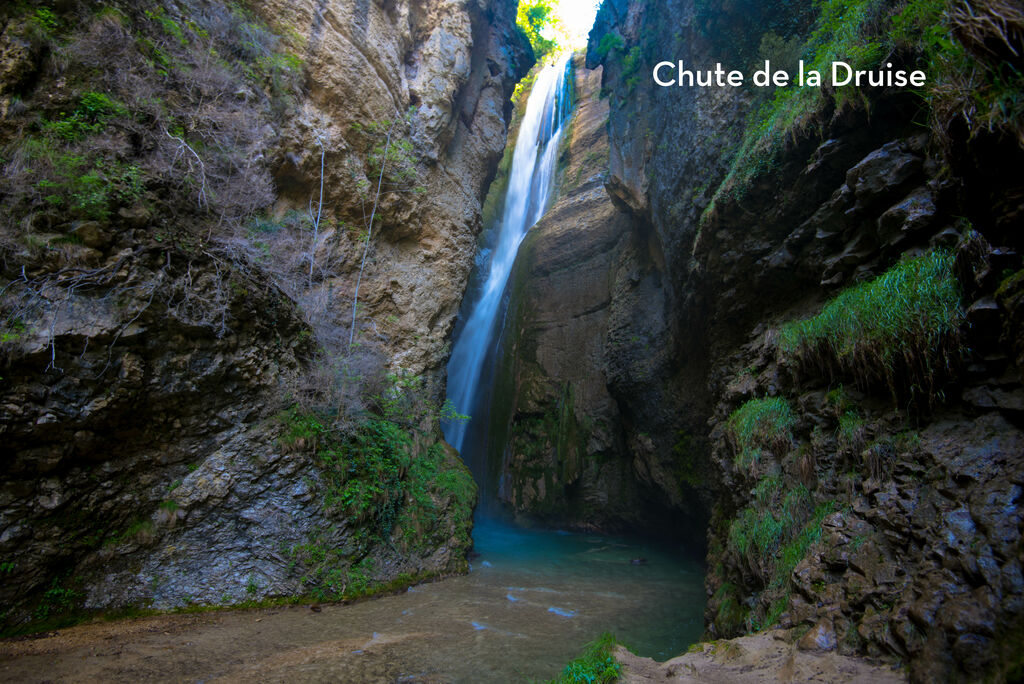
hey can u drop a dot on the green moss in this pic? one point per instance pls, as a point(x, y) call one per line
point(389, 491)
point(730, 618)
point(794, 552)
point(597, 665)
point(900, 330)
point(760, 424)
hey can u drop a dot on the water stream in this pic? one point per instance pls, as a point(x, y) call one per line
point(536, 596)
point(529, 188)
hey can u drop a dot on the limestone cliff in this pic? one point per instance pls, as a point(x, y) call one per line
point(875, 502)
point(582, 333)
point(176, 271)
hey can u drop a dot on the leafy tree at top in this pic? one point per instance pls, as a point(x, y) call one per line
point(533, 17)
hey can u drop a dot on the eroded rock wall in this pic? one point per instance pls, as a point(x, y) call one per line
point(150, 350)
point(582, 321)
point(906, 553)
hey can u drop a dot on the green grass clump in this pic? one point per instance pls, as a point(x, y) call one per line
point(841, 33)
point(760, 424)
point(794, 552)
point(900, 330)
point(756, 532)
point(597, 665)
point(978, 86)
point(731, 617)
point(386, 489)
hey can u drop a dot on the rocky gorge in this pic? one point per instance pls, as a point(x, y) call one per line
point(184, 231)
point(781, 328)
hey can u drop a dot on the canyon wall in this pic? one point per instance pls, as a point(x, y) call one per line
point(799, 314)
point(583, 339)
point(191, 186)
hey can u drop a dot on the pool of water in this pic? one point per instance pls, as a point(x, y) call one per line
point(530, 603)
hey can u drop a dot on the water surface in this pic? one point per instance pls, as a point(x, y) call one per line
point(531, 601)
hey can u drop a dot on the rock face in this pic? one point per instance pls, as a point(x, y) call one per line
point(576, 340)
point(149, 348)
point(870, 522)
point(435, 79)
point(767, 657)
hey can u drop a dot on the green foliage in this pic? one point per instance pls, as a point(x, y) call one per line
point(386, 489)
point(523, 87)
point(730, 617)
point(776, 610)
point(167, 24)
point(400, 163)
point(532, 18)
point(91, 116)
point(900, 330)
point(985, 91)
point(851, 431)
point(597, 665)
point(774, 533)
point(85, 184)
point(609, 42)
point(45, 19)
point(105, 148)
point(760, 424)
point(986, 94)
point(59, 598)
point(841, 32)
point(794, 552)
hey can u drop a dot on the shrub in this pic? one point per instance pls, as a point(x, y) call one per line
point(760, 424)
point(532, 18)
point(597, 665)
point(609, 42)
point(389, 491)
point(900, 330)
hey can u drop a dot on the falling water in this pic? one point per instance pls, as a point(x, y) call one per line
point(529, 186)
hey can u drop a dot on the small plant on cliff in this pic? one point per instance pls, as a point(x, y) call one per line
point(900, 331)
point(760, 424)
point(390, 489)
point(597, 665)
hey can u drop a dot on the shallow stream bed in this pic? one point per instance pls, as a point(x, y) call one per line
point(532, 600)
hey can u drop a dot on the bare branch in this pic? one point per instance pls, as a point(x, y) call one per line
point(369, 231)
point(182, 145)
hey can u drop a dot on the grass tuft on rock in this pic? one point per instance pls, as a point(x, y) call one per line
point(900, 330)
point(760, 424)
point(597, 665)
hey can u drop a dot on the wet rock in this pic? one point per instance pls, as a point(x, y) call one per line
point(882, 174)
point(91, 233)
point(821, 637)
point(912, 215)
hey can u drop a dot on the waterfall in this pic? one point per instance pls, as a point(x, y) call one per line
point(529, 187)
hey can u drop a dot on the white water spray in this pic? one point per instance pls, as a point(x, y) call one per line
point(529, 187)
